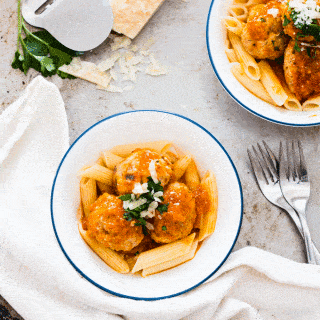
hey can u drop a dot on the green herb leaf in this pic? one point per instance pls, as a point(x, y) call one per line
point(163, 208)
point(286, 21)
point(262, 19)
point(41, 51)
point(164, 228)
point(125, 197)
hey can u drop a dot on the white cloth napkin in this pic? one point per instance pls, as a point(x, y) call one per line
point(38, 281)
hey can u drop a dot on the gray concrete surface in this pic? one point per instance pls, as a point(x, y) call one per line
point(191, 89)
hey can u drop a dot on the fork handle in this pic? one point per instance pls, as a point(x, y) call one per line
point(313, 257)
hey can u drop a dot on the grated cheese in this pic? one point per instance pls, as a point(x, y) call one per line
point(153, 172)
point(306, 11)
point(273, 11)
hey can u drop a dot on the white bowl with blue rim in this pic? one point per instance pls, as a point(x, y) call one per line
point(216, 36)
point(138, 126)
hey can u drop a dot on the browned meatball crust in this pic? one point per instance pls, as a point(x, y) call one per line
point(107, 225)
point(263, 35)
point(178, 221)
point(302, 72)
point(135, 169)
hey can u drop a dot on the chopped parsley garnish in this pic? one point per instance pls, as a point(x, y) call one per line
point(136, 253)
point(125, 197)
point(163, 208)
point(262, 19)
point(164, 228)
point(146, 202)
point(286, 21)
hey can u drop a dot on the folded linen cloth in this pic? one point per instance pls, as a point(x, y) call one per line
point(38, 281)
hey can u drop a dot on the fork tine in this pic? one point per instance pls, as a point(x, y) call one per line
point(283, 164)
point(274, 163)
point(295, 161)
point(290, 163)
point(303, 173)
point(256, 167)
point(265, 164)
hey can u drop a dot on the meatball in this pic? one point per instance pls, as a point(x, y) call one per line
point(106, 224)
point(138, 167)
point(263, 35)
point(178, 221)
point(302, 70)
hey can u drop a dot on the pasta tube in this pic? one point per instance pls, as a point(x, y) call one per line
point(208, 220)
point(233, 24)
point(254, 86)
point(180, 166)
point(248, 63)
point(88, 193)
point(110, 159)
point(110, 257)
point(164, 253)
point(125, 150)
point(172, 263)
point(99, 173)
point(311, 103)
point(272, 83)
point(191, 176)
point(238, 11)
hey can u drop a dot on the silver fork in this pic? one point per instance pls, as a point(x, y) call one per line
point(266, 171)
point(295, 186)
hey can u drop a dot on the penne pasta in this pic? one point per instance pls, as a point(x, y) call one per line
point(105, 188)
point(208, 220)
point(254, 86)
point(311, 103)
point(125, 150)
point(191, 176)
point(180, 166)
point(171, 156)
point(110, 257)
point(239, 11)
point(99, 173)
point(88, 193)
point(172, 263)
point(100, 162)
point(248, 63)
point(272, 83)
point(292, 103)
point(249, 3)
point(110, 159)
point(233, 24)
point(164, 253)
point(230, 52)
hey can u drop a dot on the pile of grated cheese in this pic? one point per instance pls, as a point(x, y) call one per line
point(120, 70)
point(306, 11)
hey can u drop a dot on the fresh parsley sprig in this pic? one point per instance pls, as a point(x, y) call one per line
point(149, 197)
point(40, 51)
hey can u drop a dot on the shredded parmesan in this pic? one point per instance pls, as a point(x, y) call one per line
point(306, 11)
point(153, 172)
point(273, 11)
point(140, 188)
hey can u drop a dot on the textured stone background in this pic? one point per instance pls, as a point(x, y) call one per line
point(191, 89)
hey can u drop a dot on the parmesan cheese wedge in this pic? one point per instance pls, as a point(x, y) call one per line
point(130, 16)
point(87, 71)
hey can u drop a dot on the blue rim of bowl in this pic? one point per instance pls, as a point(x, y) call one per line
point(116, 293)
point(230, 93)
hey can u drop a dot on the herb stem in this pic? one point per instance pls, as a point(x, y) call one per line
point(19, 24)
